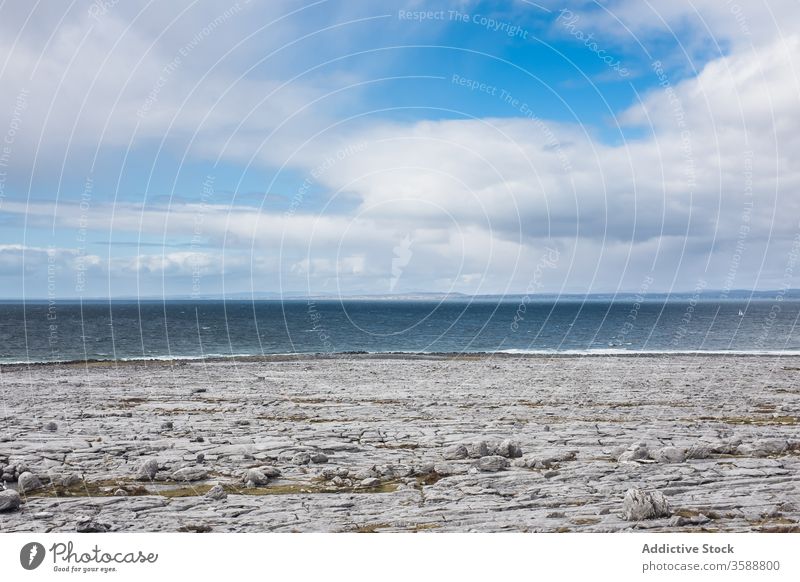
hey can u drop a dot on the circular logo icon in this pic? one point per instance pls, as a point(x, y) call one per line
point(31, 555)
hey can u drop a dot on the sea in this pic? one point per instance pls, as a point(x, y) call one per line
point(42, 331)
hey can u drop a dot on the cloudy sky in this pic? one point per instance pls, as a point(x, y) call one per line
point(198, 148)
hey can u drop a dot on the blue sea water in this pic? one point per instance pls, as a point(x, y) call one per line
point(117, 330)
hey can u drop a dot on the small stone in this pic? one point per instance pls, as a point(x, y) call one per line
point(217, 493)
point(455, 453)
point(551, 474)
point(120, 493)
point(167, 425)
point(9, 500)
point(491, 463)
point(319, 458)
point(190, 474)
point(147, 470)
point(639, 505)
point(370, 482)
point(242, 422)
point(198, 390)
point(200, 458)
point(509, 449)
point(28, 482)
point(51, 426)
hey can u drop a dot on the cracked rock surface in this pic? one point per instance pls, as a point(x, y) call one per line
point(404, 443)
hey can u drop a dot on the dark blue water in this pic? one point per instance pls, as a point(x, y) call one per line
point(179, 329)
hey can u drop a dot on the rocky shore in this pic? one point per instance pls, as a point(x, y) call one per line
point(364, 443)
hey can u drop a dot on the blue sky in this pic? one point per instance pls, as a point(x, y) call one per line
point(360, 147)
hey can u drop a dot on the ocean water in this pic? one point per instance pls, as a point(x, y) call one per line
point(61, 331)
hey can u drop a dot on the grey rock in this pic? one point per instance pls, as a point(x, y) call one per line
point(361, 474)
point(763, 448)
point(190, 474)
point(9, 500)
point(217, 493)
point(455, 453)
point(71, 480)
point(88, 525)
point(319, 458)
point(370, 482)
point(639, 505)
point(699, 451)
point(636, 452)
point(509, 449)
point(255, 478)
point(146, 471)
point(301, 458)
point(270, 471)
point(120, 493)
point(51, 426)
point(670, 455)
point(447, 469)
point(478, 450)
point(491, 463)
point(28, 482)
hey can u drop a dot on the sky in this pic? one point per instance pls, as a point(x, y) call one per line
point(204, 148)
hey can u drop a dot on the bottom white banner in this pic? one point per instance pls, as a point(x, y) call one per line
point(389, 557)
